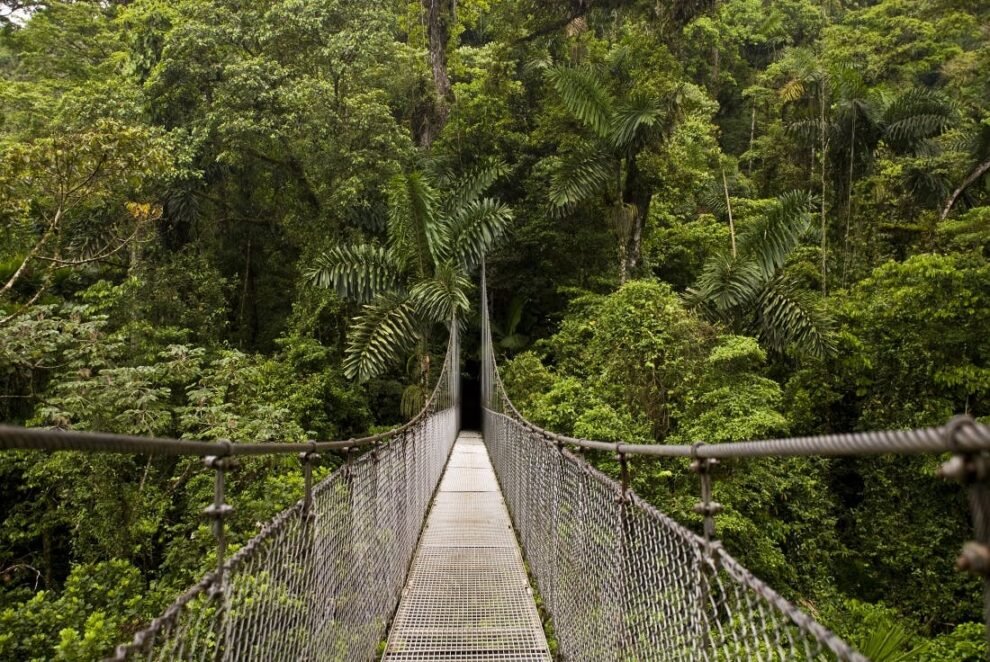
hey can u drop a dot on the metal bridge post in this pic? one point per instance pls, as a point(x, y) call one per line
point(307, 458)
point(972, 469)
point(622, 544)
point(707, 508)
point(218, 512)
point(307, 517)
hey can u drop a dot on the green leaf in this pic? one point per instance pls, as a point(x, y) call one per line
point(584, 95)
point(359, 272)
point(640, 112)
point(778, 232)
point(438, 298)
point(580, 177)
point(385, 329)
point(475, 228)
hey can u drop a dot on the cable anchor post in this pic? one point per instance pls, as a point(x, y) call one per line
point(707, 508)
point(971, 468)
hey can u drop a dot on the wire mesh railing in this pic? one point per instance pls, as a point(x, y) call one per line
point(623, 581)
point(321, 580)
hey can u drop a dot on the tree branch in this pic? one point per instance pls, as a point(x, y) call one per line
point(974, 175)
point(32, 253)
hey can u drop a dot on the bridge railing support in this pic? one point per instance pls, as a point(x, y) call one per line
point(971, 468)
point(218, 512)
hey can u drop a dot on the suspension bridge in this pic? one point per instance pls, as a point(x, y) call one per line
point(431, 543)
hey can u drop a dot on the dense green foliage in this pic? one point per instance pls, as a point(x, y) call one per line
point(706, 220)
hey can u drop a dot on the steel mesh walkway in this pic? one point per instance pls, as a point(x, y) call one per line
point(467, 596)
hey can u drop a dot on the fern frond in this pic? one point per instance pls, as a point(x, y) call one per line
point(359, 272)
point(386, 328)
point(580, 177)
point(475, 228)
point(584, 96)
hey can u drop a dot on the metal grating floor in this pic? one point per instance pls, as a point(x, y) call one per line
point(467, 597)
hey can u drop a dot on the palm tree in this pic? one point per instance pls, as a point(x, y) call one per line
point(438, 229)
point(603, 166)
point(751, 292)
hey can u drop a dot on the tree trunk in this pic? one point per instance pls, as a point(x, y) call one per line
point(636, 193)
point(21, 270)
point(849, 198)
point(436, 14)
point(824, 220)
point(244, 289)
point(752, 140)
point(728, 208)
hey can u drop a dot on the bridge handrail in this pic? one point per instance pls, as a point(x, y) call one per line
point(53, 439)
point(962, 434)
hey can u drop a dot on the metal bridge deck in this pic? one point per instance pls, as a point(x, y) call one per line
point(467, 597)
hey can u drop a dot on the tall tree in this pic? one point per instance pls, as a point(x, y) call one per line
point(603, 166)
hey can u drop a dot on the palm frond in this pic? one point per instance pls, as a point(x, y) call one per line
point(414, 235)
point(580, 177)
point(359, 272)
point(891, 642)
point(805, 131)
point(475, 228)
point(471, 185)
point(914, 119)
point(385, 329)
point(778, 232)
point(641, 111)
point(792, 90)
point(848, 81)
point(711, 195)
point(584, 96)
point(791, 318)
point(728, 282)
point(438, 298)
